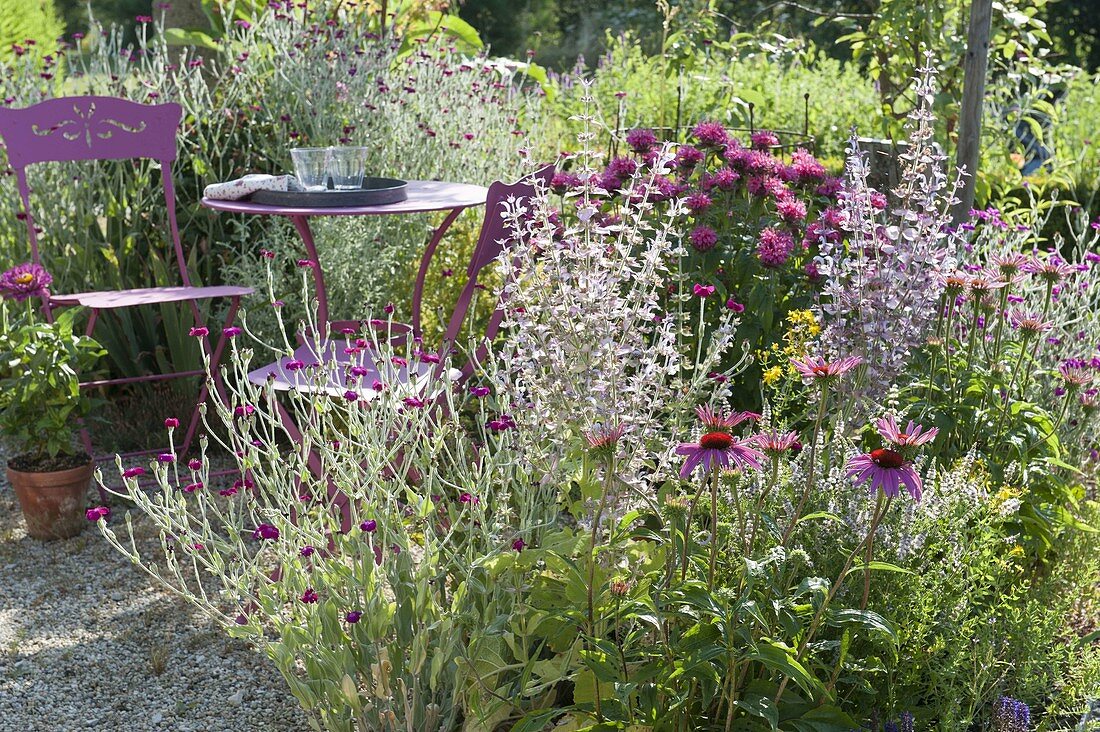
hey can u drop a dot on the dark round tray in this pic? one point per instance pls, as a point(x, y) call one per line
point(375, 192)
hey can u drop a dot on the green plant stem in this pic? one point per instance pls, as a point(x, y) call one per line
point(687, 530)
point(608, 477)
point(714, 528)
point(870, 551)
point(809, 467)
point(1008, 391)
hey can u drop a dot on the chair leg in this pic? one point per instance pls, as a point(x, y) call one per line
point(215, 376)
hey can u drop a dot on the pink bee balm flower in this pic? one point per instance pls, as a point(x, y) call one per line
point(24, 281)
point(815, 368)
point(774, 247)
point(698, 202)
point(914, 435)
point(710, 134)
point(703, 238)
point(764, 139)
point(886, 470)
point(703, 290)
point(716, 450)
point(641, 140)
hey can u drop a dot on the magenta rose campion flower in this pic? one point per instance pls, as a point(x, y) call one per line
point(24, 281)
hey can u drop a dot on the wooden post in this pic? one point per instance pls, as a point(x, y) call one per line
point(970, 116)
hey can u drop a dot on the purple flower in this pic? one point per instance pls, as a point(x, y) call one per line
point(710, 134)
point(309, 596)
point(232, 331)
point(199, 332)
point(703, 238)
point(641, 140)
point(97, 513)
point(194, 464)
point(813, 368)
point(702, 291)
point(353, 617)
point(166, 457)
point(563, 182)
point(887, 470)
point(914, 435)
point(764, 140)
point(469, 498)
point(806, 168)
point(479, 391)
point(307, 551)
point(774, 247)
point(502, 423)
point(192, 487)
point(717, 450)
point(243, 410)
point(368, 526)
point(791, 209)
point(133, 472)
point(735, 306)
point(519, 545)
point(171, 423)
point(265, 532)
point(24, 281)
point(698, 202)
point(687, 157)
point(350, 395)
point(1011, 715)
point(775, 443)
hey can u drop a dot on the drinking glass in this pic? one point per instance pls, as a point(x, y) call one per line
point(311, 166)
point(346, 165)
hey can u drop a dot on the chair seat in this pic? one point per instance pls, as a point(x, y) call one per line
point(147, 296)
point(326, 368)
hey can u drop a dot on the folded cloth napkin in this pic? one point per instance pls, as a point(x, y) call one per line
point(235, 189)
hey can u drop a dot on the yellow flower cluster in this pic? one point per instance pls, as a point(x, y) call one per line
point(802, 327)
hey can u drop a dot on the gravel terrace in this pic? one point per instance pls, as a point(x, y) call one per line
point(89, 642)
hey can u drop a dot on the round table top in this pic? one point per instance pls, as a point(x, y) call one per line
point(424, 195)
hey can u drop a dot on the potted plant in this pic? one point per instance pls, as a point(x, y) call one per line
point(40, 403)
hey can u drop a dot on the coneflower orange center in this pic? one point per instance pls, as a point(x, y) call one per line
point(821, 370)
point(715, 441)
point(886, 458)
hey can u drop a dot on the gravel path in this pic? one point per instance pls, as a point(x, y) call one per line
point(88, 642)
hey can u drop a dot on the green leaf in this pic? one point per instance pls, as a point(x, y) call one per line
point(778, 658)
point(877, 566)
point(761, 706)
point(189, 37)
point(866, 618)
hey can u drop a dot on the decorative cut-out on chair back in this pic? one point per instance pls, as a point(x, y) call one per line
point(71, 129)
point(496, 236)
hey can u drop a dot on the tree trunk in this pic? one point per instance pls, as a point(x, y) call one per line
point(970, 116)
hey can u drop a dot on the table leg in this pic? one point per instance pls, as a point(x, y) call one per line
point(425, 262)
point(301, 224)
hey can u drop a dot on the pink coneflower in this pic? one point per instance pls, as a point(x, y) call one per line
point(718, 450)
point(914, 435)
point(980, 285)
point(1029, 324)
point(710, 134)
point(815, 368)
point(24, 281)
point(703, 238)
point(1074, 376)
point(722, 421)
point(1052, 269)
point(774, 443)
point(887, 470)
point(1008, 265)
point(603, 438)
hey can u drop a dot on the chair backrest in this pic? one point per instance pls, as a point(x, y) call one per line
point(495, 237)
point(69, 129)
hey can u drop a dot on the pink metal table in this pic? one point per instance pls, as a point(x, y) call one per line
point(425, 196)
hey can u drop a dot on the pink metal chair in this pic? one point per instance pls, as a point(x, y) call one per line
point(72, 129)
point(343, 362)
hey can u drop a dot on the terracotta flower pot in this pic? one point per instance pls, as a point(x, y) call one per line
point(53, 503)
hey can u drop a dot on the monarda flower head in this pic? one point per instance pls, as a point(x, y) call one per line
point(710, 134)
point(24, 281)
point(703, 238)
point(774, 247)
point(641, 140)
point(764, 140)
